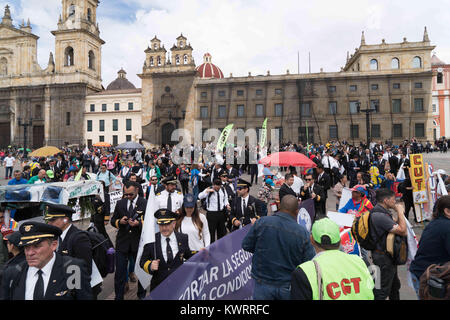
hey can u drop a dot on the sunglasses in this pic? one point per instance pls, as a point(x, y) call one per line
point(128, 194)
point(308, 179)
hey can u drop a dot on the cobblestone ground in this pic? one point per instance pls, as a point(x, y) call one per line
point(439, 161)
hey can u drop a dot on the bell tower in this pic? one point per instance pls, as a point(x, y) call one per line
point(77, 42)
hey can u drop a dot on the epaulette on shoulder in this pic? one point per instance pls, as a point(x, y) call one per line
point(158, 194)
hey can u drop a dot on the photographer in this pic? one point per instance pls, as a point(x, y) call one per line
point(127, 218)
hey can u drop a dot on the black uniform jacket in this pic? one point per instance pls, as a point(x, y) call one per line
point(127, 238)
point(164, 269)
point(76, 244)
point(253, 209)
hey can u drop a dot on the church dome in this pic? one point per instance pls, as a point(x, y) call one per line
point(208, 70)
point(121, 83)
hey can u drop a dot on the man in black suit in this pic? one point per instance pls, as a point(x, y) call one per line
point(127, 218)
point(312, 190)
point(353, 169)
point(394, 162)
point(168, 252)
point(245, 209)
point(154, 187)
point(286, 188)
point(73, 241)
point(323, 180)
point(46, 274)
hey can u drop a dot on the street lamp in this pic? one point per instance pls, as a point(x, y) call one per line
point(367, 111)
point(25, 124)
point(177, 119)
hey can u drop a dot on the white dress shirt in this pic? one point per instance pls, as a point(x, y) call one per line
point(297, 185)
point(173, 245)
point(212, 205)
point(32, 278)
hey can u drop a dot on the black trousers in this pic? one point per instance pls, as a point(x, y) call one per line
point(184, 186)
point(99, 223)
point(408, 205)
point(389, 281)
point(216, 222)
point(120, 277)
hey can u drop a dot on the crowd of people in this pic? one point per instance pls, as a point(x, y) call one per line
point(200, 202)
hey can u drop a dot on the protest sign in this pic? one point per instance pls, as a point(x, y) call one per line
point(342, 219)
point(220, 272)
point(114, 196)
point(306, 214)
point(418, 181)
point(346, 195)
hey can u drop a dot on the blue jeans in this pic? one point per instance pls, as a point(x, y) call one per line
point(10, 170)
point(264, 291)
point(416, 284)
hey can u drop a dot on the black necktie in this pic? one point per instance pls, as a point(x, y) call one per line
point(169, 202)
point(130, 210)
point(39, 287)
point(243, 206)
point(169, 251)
point(218, 201)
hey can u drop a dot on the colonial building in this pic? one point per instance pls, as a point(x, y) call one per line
point(52, 99)
point(441, 98)
point(113, 115)
point(392, 79)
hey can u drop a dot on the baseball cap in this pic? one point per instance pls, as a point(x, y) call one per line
point(50, 174)
point(189, 201)
point(325, 231)
point(359, 188)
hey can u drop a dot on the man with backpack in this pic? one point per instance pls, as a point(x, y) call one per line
point(72, 241)
point(382, 223)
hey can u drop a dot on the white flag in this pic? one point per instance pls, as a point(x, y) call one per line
point(147, 236)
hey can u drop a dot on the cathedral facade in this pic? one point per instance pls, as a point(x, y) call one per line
point(50, 100)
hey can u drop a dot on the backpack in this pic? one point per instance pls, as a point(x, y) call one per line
point(397, 247)
point(435, 282)
point(361, 230)
point(101, 251)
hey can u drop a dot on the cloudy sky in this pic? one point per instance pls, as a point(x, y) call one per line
point(245, 35)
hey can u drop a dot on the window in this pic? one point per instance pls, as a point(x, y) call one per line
point(418, 105)
point(434, 107)
point(221, 93)
point(417, 62)
point(204, 94)
point(418, 85)
point(203, 112)
point(240, 92)
point(373, 64)
point(91, 57)
point(395, 63)
point(419, 130)
point(374, 86)
point(89, 14)
point(115, 124)
point(222, 112)
point(128, 124)
point(439, 77)
point(177, 59)
point(306, 134)
point(260, 110)
point(259, 92)
point(354, 131)
point(101, 138)
point(115, 140)
point(331, 88)
point(396, 86)
point(305, 110)
point(353, 106)
point(72, 10)
point(333, 131)
point(278, 91)
point(67, 118)
point(240, 111)
point(101, 125)
point(375, 105)
point(397, 130)
point(158, 60)
point(332, 107)
point(130, 106)
point(396, 105)
point(92, 107)
point(151, 61)
point(116, 106)
point(38, 111)
point(185, 59)
point(68, 57)
point(89, 125)
point(3, 66)
point(375, 131)
point(353, 87)
point(104, 107)
point(89, 143)
point(278, 109)
point(128, 137)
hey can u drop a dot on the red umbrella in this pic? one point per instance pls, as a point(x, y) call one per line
point(287, 158)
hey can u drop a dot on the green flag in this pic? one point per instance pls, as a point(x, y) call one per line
point(263, 134)
point(307, 142)
point(223, 137)
point(78, 176)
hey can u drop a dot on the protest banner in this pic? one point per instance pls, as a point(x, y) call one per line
point(223, 138)
point(346, 195)
point(306, 214)
point(114, 196)
point(418, 181)
point(342, 219)
point(220, 272)
point(348, 242)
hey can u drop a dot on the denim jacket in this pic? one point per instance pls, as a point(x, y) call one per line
point(279, 244)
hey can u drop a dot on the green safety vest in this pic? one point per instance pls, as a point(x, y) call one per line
point(344, 276)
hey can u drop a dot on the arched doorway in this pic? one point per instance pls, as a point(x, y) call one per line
point(166, 133)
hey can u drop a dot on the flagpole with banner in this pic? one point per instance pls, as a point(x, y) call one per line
point(147, 236)
point(223, 137)
point(262, 142)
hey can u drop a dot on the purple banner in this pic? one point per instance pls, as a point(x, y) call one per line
point(306, 214)
point(221, 272)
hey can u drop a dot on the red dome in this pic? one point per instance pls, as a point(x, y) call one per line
point(209, 70)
